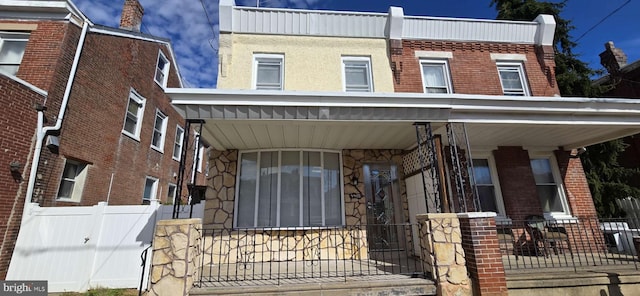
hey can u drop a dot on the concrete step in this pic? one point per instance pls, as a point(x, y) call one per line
point(327, 287)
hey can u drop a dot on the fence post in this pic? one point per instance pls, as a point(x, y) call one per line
point(442, 253)
point(482, 250)
point(176, 253)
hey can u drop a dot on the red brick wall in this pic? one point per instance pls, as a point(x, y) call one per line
point(92, 129)
point(472, 70)
point(482, 253)
point(517, 184)
point(40, 66)
point(16, 138)
point(575, 185)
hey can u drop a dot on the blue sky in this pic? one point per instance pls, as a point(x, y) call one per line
point(194, 39)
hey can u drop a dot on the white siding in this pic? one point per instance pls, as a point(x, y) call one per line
point(305, 22)
point(469, 30)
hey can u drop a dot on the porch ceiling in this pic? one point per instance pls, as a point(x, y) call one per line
point(260, 119)
point(245, 135)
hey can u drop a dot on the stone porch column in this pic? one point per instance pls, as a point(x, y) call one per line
point(482, 250)
point(442, 253)
point(176, 256)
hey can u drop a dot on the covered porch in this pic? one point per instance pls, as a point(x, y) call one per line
point(364, 165)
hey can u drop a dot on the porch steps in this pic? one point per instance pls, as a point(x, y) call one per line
point(333, 287)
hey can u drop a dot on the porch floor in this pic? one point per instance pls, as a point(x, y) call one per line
point(567, 262)
point(310, 271)
point(387, 284)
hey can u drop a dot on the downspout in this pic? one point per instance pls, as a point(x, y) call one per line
point(41, 130)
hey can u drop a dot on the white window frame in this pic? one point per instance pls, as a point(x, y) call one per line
point(493, 171)
point(13, 36)
point(141, 101)
point(162, 71)
point(162, 132)
point(340, 181)
point(78, 181)
point(171, 197)
point(153, 195)
point(177, 143)
point(514, 67)
point(555, 171)
point(356, 59)
point(262, 58)
point(444, 64)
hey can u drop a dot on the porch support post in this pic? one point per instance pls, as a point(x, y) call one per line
point(176, 257)
point(484, 260)
point(442, 253)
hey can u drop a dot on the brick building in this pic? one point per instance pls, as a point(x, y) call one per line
point(87, 103)
point(396, 118)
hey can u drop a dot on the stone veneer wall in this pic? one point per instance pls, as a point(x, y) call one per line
point(176, 256)
point(221, 189)
point(442, 253)
point(223, 245)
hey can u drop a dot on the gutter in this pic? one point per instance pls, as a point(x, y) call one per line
point(41, 130)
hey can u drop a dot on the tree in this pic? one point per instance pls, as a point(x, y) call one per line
point(607, 179)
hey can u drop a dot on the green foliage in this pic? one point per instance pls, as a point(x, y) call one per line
point(608, 180)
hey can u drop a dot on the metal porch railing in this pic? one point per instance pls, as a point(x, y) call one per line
point(573, 244)
point(237, 255)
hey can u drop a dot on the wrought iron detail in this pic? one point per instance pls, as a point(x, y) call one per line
point(461, 168)
point(427, 158)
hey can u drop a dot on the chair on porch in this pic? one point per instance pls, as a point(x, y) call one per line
point(550, 236)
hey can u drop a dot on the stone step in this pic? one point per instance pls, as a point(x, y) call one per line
point(323, 287)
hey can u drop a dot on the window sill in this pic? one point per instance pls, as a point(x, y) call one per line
point(132, 136)
point(160, 84)
point(176, 159)
point(561, 218)
point(157, 149)
point(63, 199)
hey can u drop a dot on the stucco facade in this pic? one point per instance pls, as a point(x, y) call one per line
point(308, 61)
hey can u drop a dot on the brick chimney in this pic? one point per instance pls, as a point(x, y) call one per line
point(612, 58)
point(131, 17)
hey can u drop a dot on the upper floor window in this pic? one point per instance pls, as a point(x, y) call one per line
point(357, 74)
point(513, 79)
point(159, 131)
point(12, 47)
point(487, 185)
point(268, 71)
point(72, 182)
point(133, 116)
point(289, 188)
point(435, 76)
point(177, 144)
point(162, 70)
point(549, 185)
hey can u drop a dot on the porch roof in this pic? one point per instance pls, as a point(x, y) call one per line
point(254, 119)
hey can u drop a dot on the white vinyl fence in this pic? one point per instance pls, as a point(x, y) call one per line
point(78, 248)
